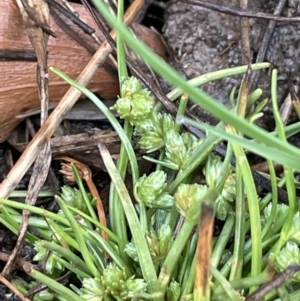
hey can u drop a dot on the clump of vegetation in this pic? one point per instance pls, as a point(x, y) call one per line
point(160, 244)
point(157, 258)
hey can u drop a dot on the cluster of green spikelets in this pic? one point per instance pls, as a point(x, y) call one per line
point(158, 131)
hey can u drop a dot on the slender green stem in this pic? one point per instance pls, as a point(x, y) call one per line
point(62, 236)
point(283, 293)
point(122, 68)
point(212, 76)
point(186, 261)
point(36, 210)
point(22, 287)
point(145, 296)
point(227, 287)
point(79, 238)
point(143, 217)
point(222, 241)
point(253, 97)
point(116, 212)
point(72, 267)
point(261, 149)
point(240, 231)
point(101, 243)
point(266, 200)
point(83, 192)
point(174, 254)
point(188, 284)
point(272, 215)
point(15, 228)
point(239, 237)
point(126, 144)
point(181, 108)
point(244, 283)
point(226, 169)
point(288, 172)
point(266, 243)
point(225, 270)
point(111, 235)
point(23, 193)
point(254, 211)
point(36, 222)
point(66, 253)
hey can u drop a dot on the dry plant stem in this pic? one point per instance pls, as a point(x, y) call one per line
point(39, 39)
point(244, 23)
point(86, 174)
point(286, 109)
point(276, 282)
point(66, 145)
point(75, 19)
point(204, 250)
point(69, 7)
point(51, 124)
point(295, 101)
point(13, 289)
point(265, 42)
point(87, 6)
point(245, 89)
point(242, 13)
point(37, 179)
point(19, 262)
point(68, 30)
point(17, 55)
point(41, 287)
point(82, 25)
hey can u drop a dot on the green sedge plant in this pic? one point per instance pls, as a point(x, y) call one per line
point(151, 251)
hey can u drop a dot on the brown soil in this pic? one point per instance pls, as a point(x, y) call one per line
point(203, 40)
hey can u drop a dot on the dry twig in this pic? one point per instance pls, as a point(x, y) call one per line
point(276, 282)
point(13, 289)
point(244, 23)
point(265, 42)
point(242, 13)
